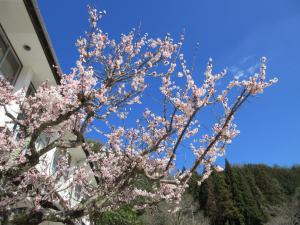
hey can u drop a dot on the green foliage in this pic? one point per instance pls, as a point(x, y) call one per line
point(226, 212)
point(268, 184)
point(124, 216)
point(245, 195)
point(241, 195)
point(95, 145)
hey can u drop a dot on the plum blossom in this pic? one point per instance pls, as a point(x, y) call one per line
point(103, 94)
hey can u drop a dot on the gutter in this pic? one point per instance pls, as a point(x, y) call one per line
point(40, 29)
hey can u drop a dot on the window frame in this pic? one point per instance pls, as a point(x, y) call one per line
point(10, 49)
point(55, 159)
point(30, 88)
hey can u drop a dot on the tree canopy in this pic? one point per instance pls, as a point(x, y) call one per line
point(102, 90)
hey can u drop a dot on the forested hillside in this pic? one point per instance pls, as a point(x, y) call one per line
point(248, 194)
point(240, 195)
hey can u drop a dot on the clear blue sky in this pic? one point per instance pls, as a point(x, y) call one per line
point(235, 34)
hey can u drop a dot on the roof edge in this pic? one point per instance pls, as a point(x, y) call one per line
point(40, 29)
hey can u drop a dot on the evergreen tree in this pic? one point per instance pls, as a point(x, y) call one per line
point(250, 210)
point(226, 211)
point(235, 192)
point(269, 186)
point(211, 201)
point(245, 195)
point(257, 195)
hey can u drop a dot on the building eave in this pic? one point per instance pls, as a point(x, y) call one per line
point(37, 22)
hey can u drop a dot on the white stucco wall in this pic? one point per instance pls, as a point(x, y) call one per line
point(22, 84)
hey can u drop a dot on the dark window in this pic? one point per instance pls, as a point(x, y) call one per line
point(57, 157)
point(77, 192)
point(10, 65)
point(31, 90)
point(3, 48)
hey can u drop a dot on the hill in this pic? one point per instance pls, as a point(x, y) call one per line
point(240, 195)
point(249, 195)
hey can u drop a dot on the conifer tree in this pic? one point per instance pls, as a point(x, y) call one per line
point(256, 193)
point(226, 211)
point(234, 190)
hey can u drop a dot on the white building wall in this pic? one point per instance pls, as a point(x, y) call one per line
point(23, 80)
point(22, 84)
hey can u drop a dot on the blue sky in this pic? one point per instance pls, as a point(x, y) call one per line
point(235, 34)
